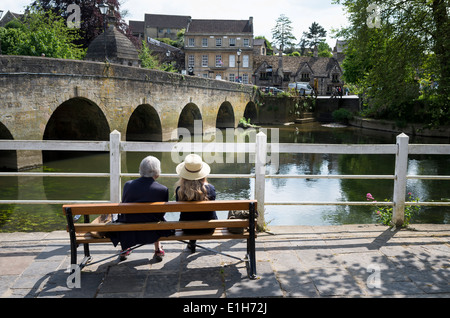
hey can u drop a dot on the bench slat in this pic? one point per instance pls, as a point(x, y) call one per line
point(169, 225)
point(158, 207)
point(219, 233)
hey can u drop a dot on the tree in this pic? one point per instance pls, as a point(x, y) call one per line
point(282, 33)
point(91, 18)
point(315, 36)
point(398, 53)
point(41, 33)
point(269, 45)
point(150, 61)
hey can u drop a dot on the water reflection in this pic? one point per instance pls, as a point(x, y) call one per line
point(48, 217)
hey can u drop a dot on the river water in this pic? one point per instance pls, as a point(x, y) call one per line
point(46, 217)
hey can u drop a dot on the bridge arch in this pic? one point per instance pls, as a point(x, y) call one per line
point(144, 125)
point(188, 116)
point(225, 116)
point(75, 119)
point(8, 158)
point(251, 112)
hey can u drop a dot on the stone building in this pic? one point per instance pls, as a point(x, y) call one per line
point(8, 17)
point(157, 26)
point(113, 46)
point(220, 49)
point(322, 73)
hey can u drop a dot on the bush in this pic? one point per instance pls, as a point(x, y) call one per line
point(342, 115)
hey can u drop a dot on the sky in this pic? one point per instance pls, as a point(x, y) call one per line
point(302, 13)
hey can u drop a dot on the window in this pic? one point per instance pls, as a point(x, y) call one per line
point(219, 61)
point(245, 78)
point(219, 42)
point(263, 76)
point(246, 42)
point(191, 42)
point(204, 60)
point(232, 41)
point(305, 77)
point(245, 61)
point(205, 42)
point(231, 78)
point(232, 61)
point(191, 61)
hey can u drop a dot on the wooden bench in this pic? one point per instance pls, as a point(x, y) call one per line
point(79, 232)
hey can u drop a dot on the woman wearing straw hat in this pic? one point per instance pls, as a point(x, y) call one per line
point(193, 186)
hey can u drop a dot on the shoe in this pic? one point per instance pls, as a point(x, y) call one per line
point(123, 254)
point(191, 245)
point(159, 254)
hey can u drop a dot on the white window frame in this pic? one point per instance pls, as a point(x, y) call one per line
point(232, 61)
point(191, 42)
point(219, 61)
point(191, 61)
point(218, 42)
point(232, 41)
point(247, 42)
point(205, 42)
point(245, 61)
point(204, 60)
point(245, 78)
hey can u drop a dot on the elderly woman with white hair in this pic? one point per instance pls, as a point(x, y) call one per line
point(143, 189)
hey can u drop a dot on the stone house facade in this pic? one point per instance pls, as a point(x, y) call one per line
point(220, 49)
point(157, 26)
point(322, 73)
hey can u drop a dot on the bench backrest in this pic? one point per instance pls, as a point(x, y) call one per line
point(158, 207)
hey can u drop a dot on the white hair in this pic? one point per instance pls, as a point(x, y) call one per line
point(150, 167)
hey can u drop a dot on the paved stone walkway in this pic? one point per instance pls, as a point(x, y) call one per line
point(297, 261)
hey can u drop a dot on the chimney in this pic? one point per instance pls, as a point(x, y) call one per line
point(316, 51)
point(250, 21)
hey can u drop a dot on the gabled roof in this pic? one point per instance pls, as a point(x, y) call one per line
point(136, 26)
point(319, 66)
point(9, 16)
point(166, 21)
point(220, 26)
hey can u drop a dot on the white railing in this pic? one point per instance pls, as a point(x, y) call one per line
point(260, 149)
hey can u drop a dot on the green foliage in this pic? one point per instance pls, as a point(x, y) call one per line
point(314, 37)
point(245, 123)
point(342, 115)
point(146, 57)
point(384, 213)
point(41, 33)
point(282, 32)
point(150, 61)
point(401, 65)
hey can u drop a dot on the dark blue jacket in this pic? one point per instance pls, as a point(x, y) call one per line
point(139, 191)
point(210, 215)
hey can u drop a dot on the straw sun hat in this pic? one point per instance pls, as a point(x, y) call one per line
point(193, 168)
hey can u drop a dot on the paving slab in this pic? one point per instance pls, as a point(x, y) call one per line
point(292, 262)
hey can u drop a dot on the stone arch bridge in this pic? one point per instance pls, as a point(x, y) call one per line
point(55, 99)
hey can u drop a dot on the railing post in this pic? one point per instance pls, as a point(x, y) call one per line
point(401, 169)
point(114, 167)
point(260, 173)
